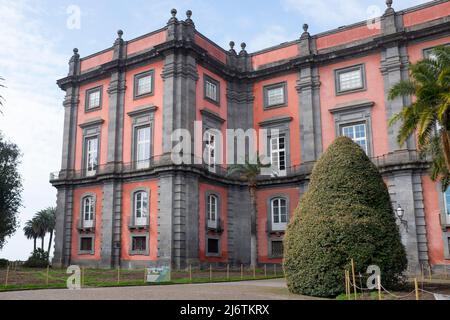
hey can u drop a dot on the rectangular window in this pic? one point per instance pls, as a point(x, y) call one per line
point(275, 95)
point(143, 84)
point(428, 53)
point(350, 79)
point(277, 248)
point(93, 98)
point(213, 246)
point(278, 152)
point(91, 154)
point(139, 244)
point(447, 205)
point(212, 211)
point(86, 244)
point(279, 214)
point(358, 133)
point(210, 150)
point(212, 89)
point(142, 147)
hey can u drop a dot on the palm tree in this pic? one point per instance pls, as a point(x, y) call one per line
point(48, 219)
point(249, 173)
point(30, 233)
point(40, 228)
point(429, 113)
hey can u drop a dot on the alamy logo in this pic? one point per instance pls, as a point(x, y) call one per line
point(74, 280)
point(74, 19)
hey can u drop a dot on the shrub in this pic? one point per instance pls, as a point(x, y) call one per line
point(345, 214)
point(38, 259)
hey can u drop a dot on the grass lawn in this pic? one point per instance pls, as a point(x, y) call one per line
point(32, 279)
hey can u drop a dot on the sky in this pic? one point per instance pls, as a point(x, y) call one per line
point(37, 38)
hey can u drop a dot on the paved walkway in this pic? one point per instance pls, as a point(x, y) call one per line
point(246, 290)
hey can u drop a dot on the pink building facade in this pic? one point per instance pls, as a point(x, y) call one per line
point(122, 201)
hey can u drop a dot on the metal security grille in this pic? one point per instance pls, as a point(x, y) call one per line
point(139, 244)
point(277, 248)
point(86, 244)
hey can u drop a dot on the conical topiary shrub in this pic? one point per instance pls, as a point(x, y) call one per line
point(345, 214)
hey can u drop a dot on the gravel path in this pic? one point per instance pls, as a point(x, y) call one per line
point(246, 290)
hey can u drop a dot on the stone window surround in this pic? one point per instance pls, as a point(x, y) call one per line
point(215, 82)
point(81, 214)
point(446, 238)
point(219, 203)
point(426, 51)
point(283, 126)
point(266, 89)
point(352, 113)
point(91, 129)
point(140, 75)
point(86, 252)
point(147, 244)
point(444, 225)
point(212, 122)
point(269, 246)
point(219, 242)
point(269, 211)
point(337, 72)
point(86, 98)
point(142, 117)
point(132, 222)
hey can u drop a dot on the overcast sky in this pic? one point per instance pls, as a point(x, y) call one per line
point(36, 44)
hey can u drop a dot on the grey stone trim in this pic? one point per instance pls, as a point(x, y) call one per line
point(271, 239)
point(351, 113)
point(269, 212)
point(212, 119)
point(132, 222)
point(71, 102)
point(217, 84)
point(139, 76)
point(81, 213)
point(91, 130)
point(426, 52)
point(446, 239)
point(142, 117)
point(165, 218)
point(147, 244)
point(275, 121)
point(218, 213)
point(63, 228)
point(142, 110)
point(308, 87)
point(87, 108)
point(274, 86)
point(91, 123)
point(110, 229)
point(338, 72)
point(86, 236)
point(116, 107)
point(219, 242)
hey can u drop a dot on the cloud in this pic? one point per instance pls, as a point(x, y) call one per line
point(33, 113)
point(272, 35)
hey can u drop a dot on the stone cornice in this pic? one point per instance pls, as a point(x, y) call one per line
point(142, 110)
point(212, 115)
point(437, 27)
point(352, 105)
point(274, 121)
point(92, 122)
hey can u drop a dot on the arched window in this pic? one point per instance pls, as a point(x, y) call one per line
point(140, 210)
point(447, 205)
point(279, 214)
point(212, 213)
point(88, 211)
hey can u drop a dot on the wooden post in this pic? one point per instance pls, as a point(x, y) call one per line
point(228, 272)
point(379, 287)
point(145, 275)
point(421, 271)
point(210, 272)
point(445, 272)
point(275, 270)
point(349, 292)
point(254, 272)
point(265, 271)
point(190, 272)
point(118, 275)
point(242, 271)
point(429, 272)
point(354, 278)
point(46, 280)
point(7, 275)
point(345, 283)
point(416, 286)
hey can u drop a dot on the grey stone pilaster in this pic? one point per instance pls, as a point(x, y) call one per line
point(110, 190)
point(117, 223)
point(165, 218)
point(63, 229)
point(239, 225)
point(191, 218)
point(308, 87)
point(307, 45)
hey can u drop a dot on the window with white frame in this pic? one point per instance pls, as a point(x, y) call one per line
point(278, 152)
point(91, 155)
point(93, 98)
point(210, 150)
point(275, 95)
point(279, 214)
point(447, 205)
point(212, 89)
point(142, 147)
point(350, 79)
point(88, 212)
point(212, 211)
point(358, 133)
point(140, 210)
point(143, 84)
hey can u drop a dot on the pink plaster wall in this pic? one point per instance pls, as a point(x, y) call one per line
point(96, 60)
point(426, 14)
point(275, 55)
point(346, 36)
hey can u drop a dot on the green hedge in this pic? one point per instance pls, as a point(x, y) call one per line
point(345, 214)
